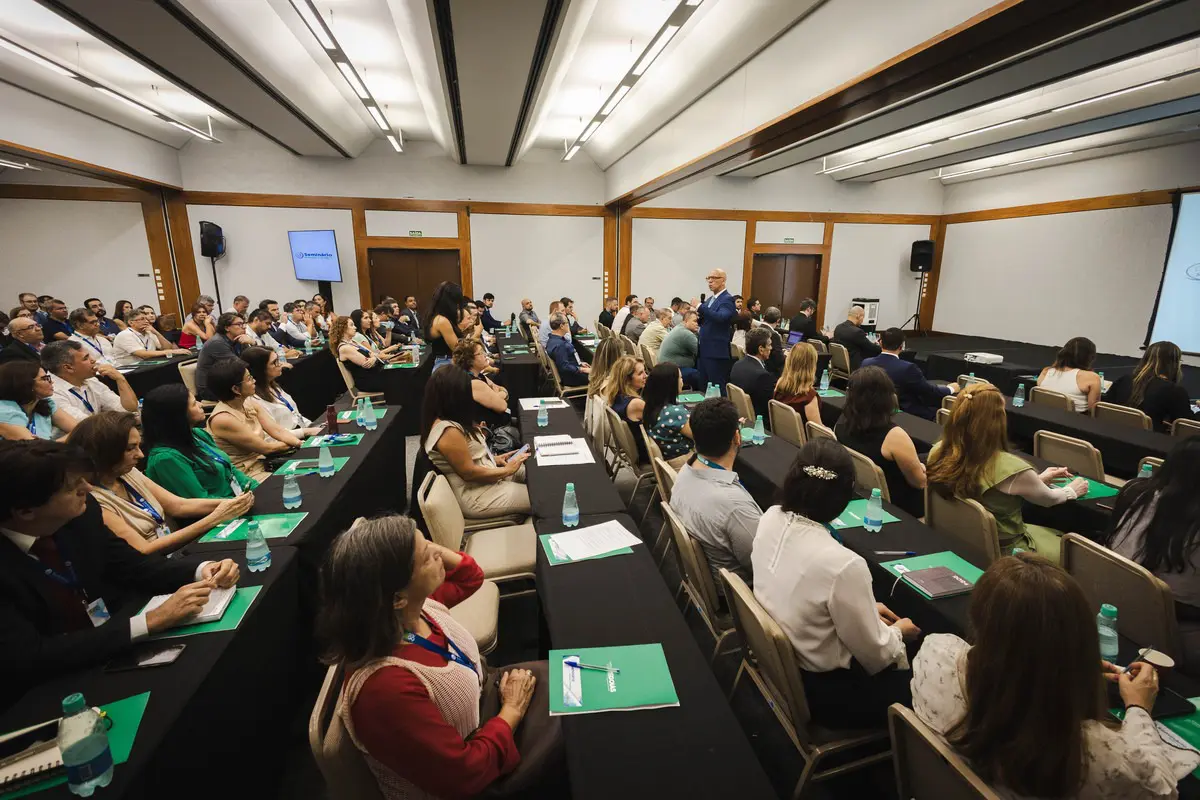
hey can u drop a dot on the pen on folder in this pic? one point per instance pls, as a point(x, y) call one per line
point(576, 665)
point(895, 552)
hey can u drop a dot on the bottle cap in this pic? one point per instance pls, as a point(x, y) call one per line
point(570, 487)
point(876, 493)
point(1108, 610)
point(73, 704)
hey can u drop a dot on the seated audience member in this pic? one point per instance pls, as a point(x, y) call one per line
point(57, 326)
point(226, 343)
point(298, 326)
point(741, 327)
point(278, 332)
point(678, 309)
point(322, 319)
point(159, 324)
point(666, 421)
point(198, 329)
point(754, 307)
point(408, 321)
point(486, 485)
point(739, 304)
point(608, 314)
point(652, 337)
point(26, 343)
point(770, 320)
point(1155, 387)
point(139, 341)
point(850, 335)
point(181, 457)
point(1040, 727)
point(916, 395)
point(623, 394)
point(750, 373)
point(681, 347)
point(649, 303)
point(797, 386)
point(107, 326)
point(27, 407)
point(88, 333)
point(850, 649)
point(47, 515)
point(241, 304)
point(258, 328)
point(711, 502)
point(470, 323)
point(364, 366)
point(623, 313)
point(866, 427)
point(28, 301)
point(135, 507)
point(1156, 522)
point(75, 378)
point(385, 323)
point(271, 398)
point(543, 334)
point(635, 323)
point(236, 425)
point(490, 323)
point(972, 462)
point(528, 316)
point(805, 321)
point(1071, 374)
point(122, 311)
point(369, 336)
point(491, 399)
point(568, 308)
point(595, 422)
point(419, 702)
point(559, 349)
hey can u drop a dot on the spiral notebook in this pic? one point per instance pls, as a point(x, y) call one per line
point(32, 755)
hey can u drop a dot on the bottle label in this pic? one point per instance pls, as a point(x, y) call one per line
point(90, 770)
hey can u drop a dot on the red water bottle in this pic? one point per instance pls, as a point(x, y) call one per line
point(331, 423)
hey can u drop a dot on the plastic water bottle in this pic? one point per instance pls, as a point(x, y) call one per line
point(325, 463)
point(1019, 397)
point(873, 517)
point(711, 391)
point(1101, 374)
point(279, 352)
point(1147, 471)
point(1106, 626)
point(258, 555)
point(824, 380)
point(760, 434)
point(359, 420)
point(570, 507)
point(291, 492)
point(369, 420)
point(972, 377)
point(84, 744)
point(543, 418)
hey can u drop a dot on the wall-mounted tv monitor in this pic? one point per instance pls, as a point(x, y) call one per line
point(315, 255)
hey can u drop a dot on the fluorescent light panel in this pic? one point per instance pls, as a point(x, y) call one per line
point(587, 134)
point(1117, 93)
point(965, 172)
point(659, 45)
point(35, 58)
point(394, 142)
point(905, 150)
point(131, 103)
point(12, 164)
point(314, 23)
point(693, 2)
point(190, 130)
point(997, 126)
point(571, 153)
point(378, 115)
point(842, 167)
point(352, 78)
point(616, 99)
point(1039, 158)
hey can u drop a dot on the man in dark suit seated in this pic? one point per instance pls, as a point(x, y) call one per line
point(751, 375)
point(806, 322)
point(770, 320)
point(69, 587)
point(917, 395)
point(570, 371)
point(26, 342)
point(854, 338)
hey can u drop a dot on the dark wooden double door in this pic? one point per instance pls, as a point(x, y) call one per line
point(399, 273)
point(784, 280)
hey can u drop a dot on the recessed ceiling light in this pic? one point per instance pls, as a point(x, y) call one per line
point(352, 78)
point(587, 134)
point(35, 58)
point(997, 126)
point(616, 99)
point(190, 130)
point(571, 153)
point(378, 115)
point(12, 164)
point(394, 142)
point(131, 103)
point(905, 150)
point(1110, 95)
point(965, 172)
point(1039, 158)
point(842, 167)
point(693, 2)
point(660, 43)
point(314, 23)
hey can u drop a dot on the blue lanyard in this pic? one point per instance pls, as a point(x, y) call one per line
point(142, 502)
point(83, 399)
point(709, 464)
point(457, 656)
point(216, 455)
point(89, 343)
point(70, 580)
point(33, 425)
point(283, 399)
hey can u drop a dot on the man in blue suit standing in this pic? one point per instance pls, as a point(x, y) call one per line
point(916, 395)
point(717, 314)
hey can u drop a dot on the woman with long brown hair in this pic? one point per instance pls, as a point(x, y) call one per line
point(972, 462)
point(363, 365)
point(1156, 387)
point(623, 393)
point(1032, 719)
point(1071, 374)
point(795, 386)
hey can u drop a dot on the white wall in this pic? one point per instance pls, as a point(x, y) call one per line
point(403, 223)
point(872, 261)
point(258, 259)
point(540, 258)
point(1045, 279)
point(780, 232)
point(672, 256)
point(75, 250)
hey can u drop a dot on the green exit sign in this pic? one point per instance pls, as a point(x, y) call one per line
point(416, 234)
point(789, 240)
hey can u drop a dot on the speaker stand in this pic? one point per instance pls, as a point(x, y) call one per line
point(216, 285)
point(916, 317)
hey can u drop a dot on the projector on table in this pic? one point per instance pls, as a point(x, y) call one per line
point(984, 358)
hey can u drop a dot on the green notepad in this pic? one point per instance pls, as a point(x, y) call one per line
point(1096, 489)
point(273, 526)
point(852, 517)
point(126, 716)
point(690, 397)
point(243, 598)
point(555, 560)
point(348, 416)
point(943, 559)
point(516, 351)
point(830, 393)
point(644, 680)
point(401, 366)
point(308, 466)
point(317, 441)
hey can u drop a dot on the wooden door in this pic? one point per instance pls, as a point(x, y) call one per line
point(784, 280)
point(400, 273)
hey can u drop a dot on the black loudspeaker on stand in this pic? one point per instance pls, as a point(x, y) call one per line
point(212, 247)
point(920, 262)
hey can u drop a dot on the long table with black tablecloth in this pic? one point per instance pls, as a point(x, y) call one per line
point(404, 390)
point(520, 372)
point(147, 377)
point(313, 381)
point(547, 485)
point(217, 721)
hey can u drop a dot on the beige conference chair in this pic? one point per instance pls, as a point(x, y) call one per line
point(698, 581)
point(927, 767)
point(628, 457)
point(868, 475)
point(786, 422)
point(1183, 428)
point(770, 661)
point(1075, 454)
point(1122, 415)
point(741, 401)
point(187, 374)
point(948, 401)
point(818, 431)
point(628, 345)
point(342, 765)
point(355, 394)
point(648, 356)
point(972, 526)
point(1051, 399)
point(943, 416)
point(819, 346)
point(839, 362)
point(735, 352)
point(1150, 461)
point(665, 474)
point(564, 392)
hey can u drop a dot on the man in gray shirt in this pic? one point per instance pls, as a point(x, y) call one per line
point(227, 343)
point(635, 323)
point(715, 508)
point(681, 347)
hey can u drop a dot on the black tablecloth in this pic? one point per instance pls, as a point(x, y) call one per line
point(519, 373)
point(948, 365)
point(595, 492)
point(217, 720)
point(144, 379)
point(404, 391)
point(696, 750)
point(313, 382)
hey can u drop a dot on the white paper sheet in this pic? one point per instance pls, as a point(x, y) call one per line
point(594, 540)
point(559, 455)
point(534, 403)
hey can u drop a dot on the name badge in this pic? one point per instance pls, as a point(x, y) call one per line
point(98, 612)
point(236, 487)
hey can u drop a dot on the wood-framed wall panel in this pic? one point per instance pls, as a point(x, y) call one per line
point(929, 281)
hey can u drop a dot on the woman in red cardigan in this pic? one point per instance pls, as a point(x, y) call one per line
point(417, 695)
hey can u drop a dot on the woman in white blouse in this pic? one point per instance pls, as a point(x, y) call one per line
point(272, 399)
point(850, 649)
point(1026, 705)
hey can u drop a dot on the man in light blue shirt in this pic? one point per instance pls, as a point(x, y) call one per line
point(556, 306)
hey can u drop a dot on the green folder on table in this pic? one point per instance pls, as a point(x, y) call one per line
point(348, 416)
point(243, 598)
point(947, 559)
point(555, 559)
point(401, 366)
point(273, 526)
point(852, 517)
point(690, 397)
point(1096, 489)
point(308, 466)
point(323, 439)
point(830, 393)
point(639, 680)
point(126, 716)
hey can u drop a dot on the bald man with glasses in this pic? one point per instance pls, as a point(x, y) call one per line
point(717, 314)
point(27, 341)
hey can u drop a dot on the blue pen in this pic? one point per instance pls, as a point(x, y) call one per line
point(895, 553)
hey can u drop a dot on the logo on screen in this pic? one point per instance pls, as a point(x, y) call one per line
point(1193, 272)
point(300, 254)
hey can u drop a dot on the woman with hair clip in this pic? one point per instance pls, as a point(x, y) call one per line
point(271, 398)
point(442, 323)
point(665, 420)
point(1025, 702)
point(1156, 522)
point(594, 421)
point(796, 387)
point(623, 393)
point(1071, 374)
point(850, 649)
point(364, 366)
point(972, 462)
point(1156, 387)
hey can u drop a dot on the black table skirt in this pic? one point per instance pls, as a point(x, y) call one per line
point(218, 717)
point(313, 382)
point(145, 379)
point(697, 750)
point(948, 366)
point(404, 391)
point(595, 492)
point(519, 373)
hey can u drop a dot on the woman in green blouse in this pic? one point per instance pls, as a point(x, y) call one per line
point(181, 457)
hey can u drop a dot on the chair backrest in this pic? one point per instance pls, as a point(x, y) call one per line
point(786, 422)
point(553, 369)
point(349, 379)
point(666, 475)
point(1183, 428)
point(839, 358)
point(1049, 397)
point(1123, 415)
point(948, 401)
point(443, 516)
point(622, 436)
point(818, 345)
point(347, 776)
point(603, 331)
point(943, 416)
point(868, 475)
point(819, 431)
point(970, 524)
point(926, 766)
point(696, 569)
point(736, 352)
point(187, 374)
point(1067, 451)
point(628, 344)
point(648, 356)
point(741, 401)
point(966, 380)
point(1145, 605)
point(653, 451)
point(1154, 463)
